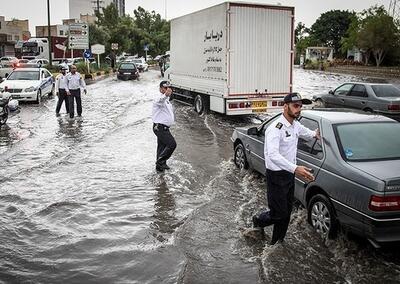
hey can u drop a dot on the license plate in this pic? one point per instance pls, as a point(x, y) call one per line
point(259, 104)
point(127, 73)
point(260, 110)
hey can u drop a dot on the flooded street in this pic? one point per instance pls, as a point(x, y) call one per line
point(81, 202)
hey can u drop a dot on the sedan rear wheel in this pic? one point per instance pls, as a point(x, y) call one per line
point(240, 157)
point(321, 216)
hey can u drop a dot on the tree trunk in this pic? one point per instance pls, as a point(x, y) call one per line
point(367, 55)
point(379, 54)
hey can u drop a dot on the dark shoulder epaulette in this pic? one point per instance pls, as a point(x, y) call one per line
point(279, 125)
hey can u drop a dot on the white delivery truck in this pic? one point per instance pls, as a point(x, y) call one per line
point(234, 58)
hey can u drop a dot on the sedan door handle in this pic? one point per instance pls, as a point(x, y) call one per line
point(342, 100)
point(363, 103)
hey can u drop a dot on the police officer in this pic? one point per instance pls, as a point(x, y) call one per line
point(73, 88)
point(280, 149)
point(163, 117)
point(61, 85)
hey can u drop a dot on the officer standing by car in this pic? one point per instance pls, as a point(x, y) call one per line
point(61, 85)
point(73, 88)
point(280, 149)
point(163, 117)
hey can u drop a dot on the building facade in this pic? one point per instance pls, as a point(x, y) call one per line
point(89, 7)
point(11, 34)
point(55, 30)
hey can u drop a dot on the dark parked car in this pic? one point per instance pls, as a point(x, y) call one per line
point(356, 167)
point(378, 98)
point(127, 70)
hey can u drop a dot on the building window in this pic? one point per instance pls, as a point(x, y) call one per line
point(16, 37)
point(61, 33)
point(9, 37)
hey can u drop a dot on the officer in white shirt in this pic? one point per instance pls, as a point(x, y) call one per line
point(61, 85)
point(163, 117)
point(73, 88)
point(280, 149)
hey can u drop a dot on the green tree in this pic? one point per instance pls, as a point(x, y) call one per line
point(152, 30)
point(331, 27)
point(378, 33)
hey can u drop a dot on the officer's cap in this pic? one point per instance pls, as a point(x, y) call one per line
point(165, 84)
point(296, 98)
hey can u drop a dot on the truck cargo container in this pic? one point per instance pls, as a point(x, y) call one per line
point(233, 58)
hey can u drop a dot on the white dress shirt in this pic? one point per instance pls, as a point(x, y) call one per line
point(75, 82)
point(61, 82)
point(280, 147)
point(163, 111)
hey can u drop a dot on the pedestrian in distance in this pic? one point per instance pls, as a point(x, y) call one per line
point(280, 149)
point(75, 83)
point(163, 117)
point(61, 85)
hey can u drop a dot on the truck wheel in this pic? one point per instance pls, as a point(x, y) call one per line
point(319, 103)
point(200, 104)
point(321, 216)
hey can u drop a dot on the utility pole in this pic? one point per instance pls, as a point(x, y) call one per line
point(49, 33)
point(394, 9)
point(165, 7)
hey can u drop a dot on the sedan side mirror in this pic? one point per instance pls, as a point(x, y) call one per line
point(252, 131)
point(331, 92)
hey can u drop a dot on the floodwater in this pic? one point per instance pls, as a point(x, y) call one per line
point(81, 202)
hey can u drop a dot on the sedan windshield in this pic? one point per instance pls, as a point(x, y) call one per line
point(370, 141)
point(127, 66)
point(24, 75)
point(386, 91)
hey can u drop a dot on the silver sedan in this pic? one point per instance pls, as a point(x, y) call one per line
point(377, 98)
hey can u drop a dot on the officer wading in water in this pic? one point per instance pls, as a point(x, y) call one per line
point(73, 88)
point(61, 85)
point(163, 117)
point(280, 149)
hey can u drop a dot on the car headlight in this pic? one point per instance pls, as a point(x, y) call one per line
point(30, 89)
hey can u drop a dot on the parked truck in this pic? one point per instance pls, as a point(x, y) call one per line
point(38, 48)
point(233, 58)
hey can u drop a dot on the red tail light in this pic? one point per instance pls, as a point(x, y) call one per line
point(241, 105)
point(231, 105)
point(393, 107)
point(384, 203)
point(5, 89)
point(274, 103)
point(281, 103)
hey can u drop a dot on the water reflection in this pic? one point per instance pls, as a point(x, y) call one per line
point(70, 128)
point(165, 220)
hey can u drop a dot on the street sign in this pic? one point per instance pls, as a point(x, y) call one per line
point(114, 46)
point(98, 49)
point(78, 36)
point(87, 54)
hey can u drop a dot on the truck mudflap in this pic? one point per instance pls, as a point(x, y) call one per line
point(253, 106)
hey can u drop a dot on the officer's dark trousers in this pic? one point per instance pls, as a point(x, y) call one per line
point(62, 97)
point(280, 195)
point(166, 143)
point(75, 95)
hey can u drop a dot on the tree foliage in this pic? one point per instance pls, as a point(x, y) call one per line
point(378, 33)
point(331, 27)
point(131, 33)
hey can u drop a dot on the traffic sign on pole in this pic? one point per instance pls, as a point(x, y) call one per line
point(87, 54)
point(78, 36)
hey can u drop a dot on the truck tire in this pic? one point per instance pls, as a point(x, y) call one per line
point(200, 104)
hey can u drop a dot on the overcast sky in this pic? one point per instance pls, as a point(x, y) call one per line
point(307, 11)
